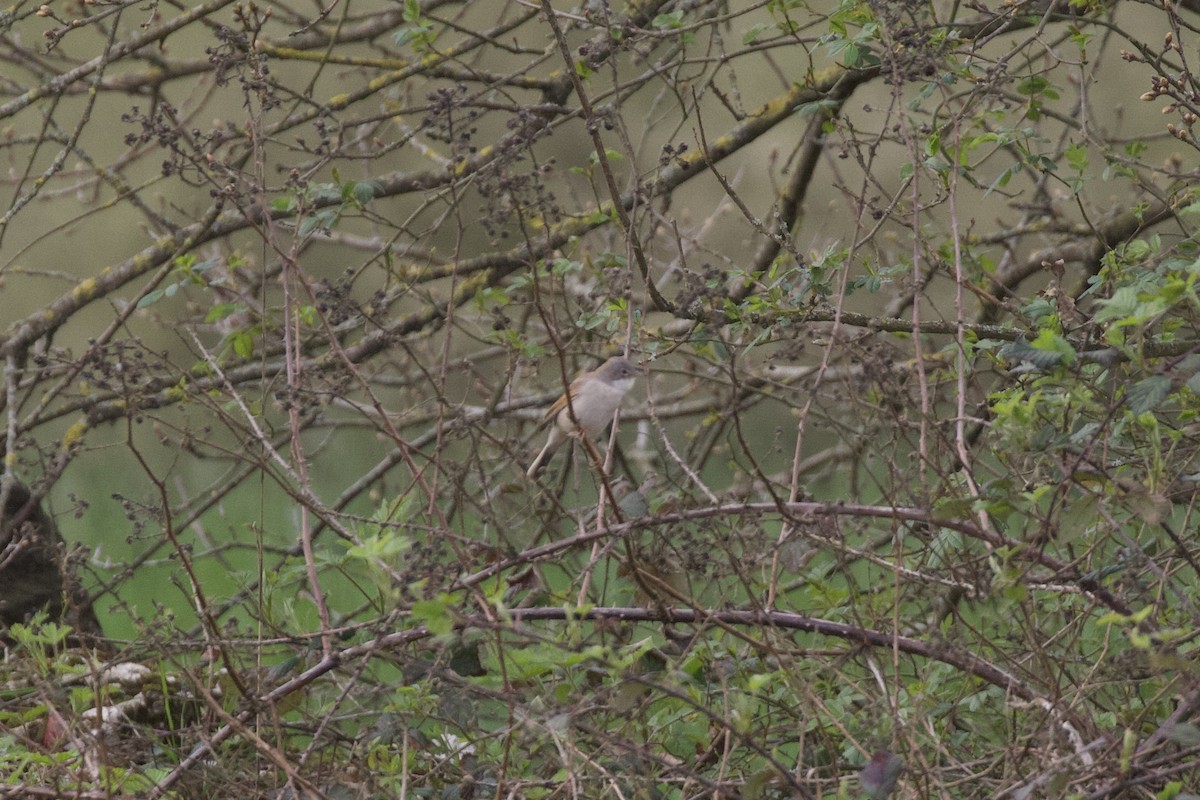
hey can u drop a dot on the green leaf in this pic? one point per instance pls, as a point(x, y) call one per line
point(751, 36)
point(366, 191)
point(223, 310)
point(1077, 157)
point(1032, 85)
point(1037, 85)
point(324, 219)
point(150, 299)
point(242, 344)
point(1079, 522)
point(1003, 178)
point(852, 55)
point(816, 107)
point(434, 614)
point(1148, 393)
point(1122, 304)
point(415, 33)
point(1048, 350)
point(669, 21)
point(385, 543)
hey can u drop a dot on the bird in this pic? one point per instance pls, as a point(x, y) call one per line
point(35, 574)
point(594, 399)
point(878, 778)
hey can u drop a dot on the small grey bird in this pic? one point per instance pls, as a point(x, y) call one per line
point(595, 398)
